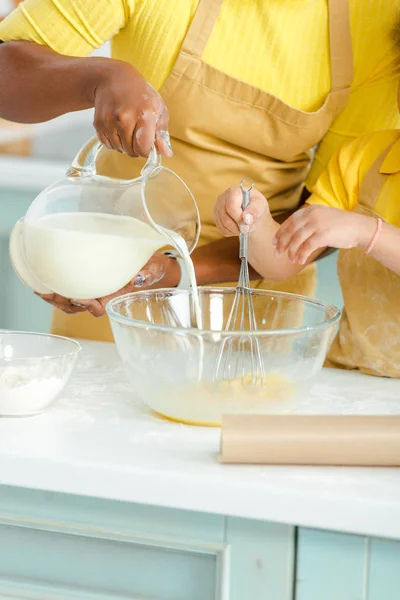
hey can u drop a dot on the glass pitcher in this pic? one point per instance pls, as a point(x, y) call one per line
point(89, 234)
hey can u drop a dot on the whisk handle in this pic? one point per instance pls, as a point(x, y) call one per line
point(243, 246)
point(246, 185)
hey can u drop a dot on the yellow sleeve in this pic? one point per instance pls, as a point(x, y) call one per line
point(70, 27)
point(370, 109)
point(338, 184)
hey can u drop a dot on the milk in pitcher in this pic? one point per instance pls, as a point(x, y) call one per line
point(89, 255)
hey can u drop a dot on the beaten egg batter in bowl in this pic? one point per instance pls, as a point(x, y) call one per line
point(171, 363)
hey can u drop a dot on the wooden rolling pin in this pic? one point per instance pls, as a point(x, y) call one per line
point(311, 440)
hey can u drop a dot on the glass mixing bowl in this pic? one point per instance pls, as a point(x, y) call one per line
point(171, 364)
point(34, 369)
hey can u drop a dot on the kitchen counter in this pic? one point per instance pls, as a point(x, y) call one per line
point(99, 441)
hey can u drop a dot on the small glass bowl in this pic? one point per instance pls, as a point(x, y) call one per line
point(34, 369)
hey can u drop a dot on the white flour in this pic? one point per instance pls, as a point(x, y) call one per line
point(27, 390)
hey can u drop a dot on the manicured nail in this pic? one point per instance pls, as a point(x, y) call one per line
point(274, 241)
point(244, 228)
point(139, 280)
point(164, 135)
point(77, 304)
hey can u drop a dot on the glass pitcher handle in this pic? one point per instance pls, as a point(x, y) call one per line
point(84, 164)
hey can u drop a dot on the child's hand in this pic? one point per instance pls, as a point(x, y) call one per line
point(317, 227)
point(228, 214)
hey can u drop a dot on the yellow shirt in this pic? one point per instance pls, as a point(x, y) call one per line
point(256, 41)
point(339, 184)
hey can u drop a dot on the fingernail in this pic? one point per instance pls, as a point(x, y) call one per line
point(274, 241)
point(248, 218)
point(244, 228)
point(139, 280)
point(164, 135)
point(78, 304)
point(277, 252)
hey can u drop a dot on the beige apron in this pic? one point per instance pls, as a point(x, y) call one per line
point(223, 129)
point(369, 333)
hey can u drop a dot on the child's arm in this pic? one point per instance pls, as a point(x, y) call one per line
point(387, 247)
point(319, 226)
point(258, 222)
point(279, 251)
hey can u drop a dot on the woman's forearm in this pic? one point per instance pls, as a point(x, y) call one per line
point(218, 262)
point(37, 84)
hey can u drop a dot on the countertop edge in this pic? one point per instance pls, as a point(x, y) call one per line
point(356, 516)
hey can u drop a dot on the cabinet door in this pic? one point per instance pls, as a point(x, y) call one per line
point(335, 566)
point(39, 564)
point(61, 547)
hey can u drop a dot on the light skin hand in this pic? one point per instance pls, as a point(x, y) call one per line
point(258, 222)
point(316, 227)
point(229, 217)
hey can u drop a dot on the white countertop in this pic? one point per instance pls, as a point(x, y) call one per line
point(97, 440)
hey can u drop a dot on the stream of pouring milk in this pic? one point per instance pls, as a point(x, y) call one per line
point(90, 255)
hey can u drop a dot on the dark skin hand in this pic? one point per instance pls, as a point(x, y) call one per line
point(160, 267)
point(37, 84)
point(214, 263)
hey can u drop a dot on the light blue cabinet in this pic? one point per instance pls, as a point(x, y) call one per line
point(61, 547)
point(56, 546)
point(19, 308)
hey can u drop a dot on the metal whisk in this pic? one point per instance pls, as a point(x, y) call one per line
point(240, 357)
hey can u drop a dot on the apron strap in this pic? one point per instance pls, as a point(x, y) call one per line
point(373, 182)
point(340, 43)
point(201, 27)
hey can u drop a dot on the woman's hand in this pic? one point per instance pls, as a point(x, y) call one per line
point(159, 269)
point(316, 227)
point(42, 84)
point(129, 114)
point(231, 220)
